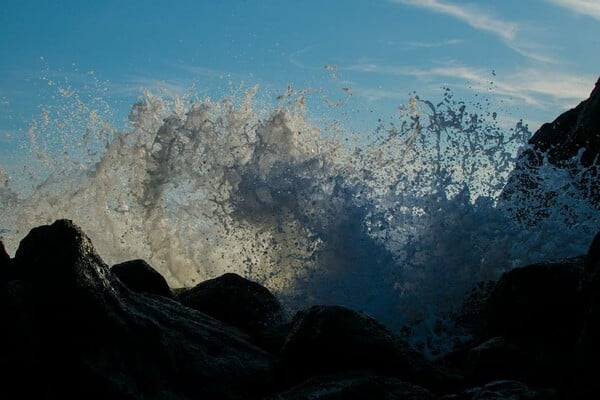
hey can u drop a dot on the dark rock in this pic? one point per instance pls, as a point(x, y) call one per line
point(571, 140)
point(243, 304)
point(7, 270)
point(592, 261)
point(589, 346)
point(501, 390)
point(97, 339)
point(576, 129)
point(498, 358)
point(331, 339)
point(4, 257)
point(538, 311)
point(539, 303)
point(19, 343)
point(140, 277)
point(355, 387)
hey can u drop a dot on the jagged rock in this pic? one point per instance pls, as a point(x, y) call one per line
point(97, 339)
point(503, 390)
point(571, 139)
point(331, 339)
point(140, 277)
point(242, 303)
point(575, 130)
point(355, 387)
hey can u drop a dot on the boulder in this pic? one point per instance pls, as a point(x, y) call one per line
point(140, 277)
point(242, 303)
point(539, 303)
point(538, 311)
point(97, 339)
point(355, 387)
point(330, 339)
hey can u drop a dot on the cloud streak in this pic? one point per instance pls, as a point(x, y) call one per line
point(472, 15)
point(443, 43)
point(531, 86)
point(483, 20)
point(586, 7)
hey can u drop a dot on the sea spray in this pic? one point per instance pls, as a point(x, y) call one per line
point(399, 224)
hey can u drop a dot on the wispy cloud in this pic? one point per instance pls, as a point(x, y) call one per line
point(470, 14)
point(442, 43)
point(484, 20)
point(585, 7)
point(531, 86)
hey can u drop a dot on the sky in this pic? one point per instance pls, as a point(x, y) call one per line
point(532, 59)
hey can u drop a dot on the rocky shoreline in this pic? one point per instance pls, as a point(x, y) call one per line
point(75, 327)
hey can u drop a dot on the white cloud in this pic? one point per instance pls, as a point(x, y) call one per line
point(585, 7)
point(472, 15)
point(536, 87)
point(483, 20)
point(443, 43)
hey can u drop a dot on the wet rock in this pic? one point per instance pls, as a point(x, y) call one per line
point(503, 390)
point(140, 277)
point(538, 310)
point(242, 303)
point(331, 339)
point(537, 304)
point(97, 339)
point(571, 139)
point(355, 387)
point(576, 129)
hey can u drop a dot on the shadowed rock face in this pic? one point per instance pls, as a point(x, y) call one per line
point(355, 386)
point(4, 257)
point(574, 134)
point(537, 303)
point(140, 277)
point(240, 303)
point(503, 390)
point(7, 270)
point(94, 338)
point(572, 131)
point(72, 329)
point(331, 339)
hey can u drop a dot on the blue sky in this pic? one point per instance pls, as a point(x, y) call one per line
point(543, 56)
